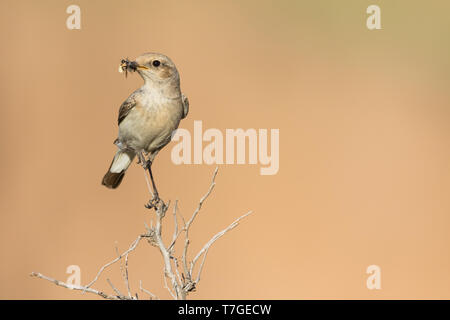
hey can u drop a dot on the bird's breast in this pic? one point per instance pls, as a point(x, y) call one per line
point(149, 126)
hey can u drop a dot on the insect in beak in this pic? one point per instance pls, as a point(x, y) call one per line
point(127, 65)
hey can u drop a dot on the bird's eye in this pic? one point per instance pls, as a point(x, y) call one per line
point(156, 63)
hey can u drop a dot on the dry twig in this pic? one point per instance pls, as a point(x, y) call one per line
point(180, 283)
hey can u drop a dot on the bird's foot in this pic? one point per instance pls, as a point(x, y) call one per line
point(154, 202)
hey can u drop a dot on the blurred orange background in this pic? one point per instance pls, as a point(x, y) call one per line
point(363, 115)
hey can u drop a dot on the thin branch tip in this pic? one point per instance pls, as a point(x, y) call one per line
point(178, 270)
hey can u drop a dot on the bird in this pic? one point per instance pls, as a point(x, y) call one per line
point(148, 117)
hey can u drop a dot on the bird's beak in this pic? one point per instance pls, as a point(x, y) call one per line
point(139, 67)
point(130, 66)
point(136, 66)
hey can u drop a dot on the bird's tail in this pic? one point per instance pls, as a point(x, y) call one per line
point(116, 171)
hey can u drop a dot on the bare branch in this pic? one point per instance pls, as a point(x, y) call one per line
point(175, 227)
point(124, 271)
point(120, 295)
point(74, 287)
point(167, 287)
point(175, 222)
point(184, 258)
point(211, 187)
point(201, 266)
point(180, 283)
point(214, 239)
point(168, 272)
point(175, 260)
point(152, 296)
point(126, 276)
point(187, 225)
point(131, 248)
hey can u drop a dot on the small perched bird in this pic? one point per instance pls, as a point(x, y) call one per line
point(148, 117)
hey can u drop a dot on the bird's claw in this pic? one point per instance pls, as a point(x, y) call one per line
point(153, 203)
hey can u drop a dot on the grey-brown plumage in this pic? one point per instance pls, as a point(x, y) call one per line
point(149, 115)
point(113, 180)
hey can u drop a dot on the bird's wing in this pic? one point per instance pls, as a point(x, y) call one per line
point(185, 105)
point(125, 108)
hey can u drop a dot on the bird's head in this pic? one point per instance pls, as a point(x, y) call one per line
point(152, 67)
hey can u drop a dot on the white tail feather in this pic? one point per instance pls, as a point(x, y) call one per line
point(122, 161)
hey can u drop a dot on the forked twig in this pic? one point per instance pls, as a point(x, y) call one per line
point(180, 284)
point(74, 287)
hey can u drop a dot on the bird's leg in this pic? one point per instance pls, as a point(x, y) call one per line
point(155, 200)
point(147, 165)
point(141, 159)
